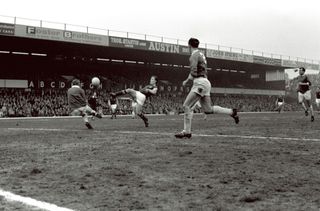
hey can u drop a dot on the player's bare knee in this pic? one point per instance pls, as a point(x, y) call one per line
point(207, 109)
point(186, 108)
point(208, 112)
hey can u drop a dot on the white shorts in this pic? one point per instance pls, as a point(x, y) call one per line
point(140, 98)
point(82, 110)
point(306, 96)
point(280, 103)
point(317, 101)
point(201, 86)
point(113, 107)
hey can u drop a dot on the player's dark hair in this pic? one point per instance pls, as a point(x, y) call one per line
point(155, 78)
point(75, 82)
point(193, 42)
point(302, 68)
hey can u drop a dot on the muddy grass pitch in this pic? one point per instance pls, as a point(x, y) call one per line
point(269, 161)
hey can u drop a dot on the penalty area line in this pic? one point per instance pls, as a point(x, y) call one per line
point(31, 202)
point(226, 136)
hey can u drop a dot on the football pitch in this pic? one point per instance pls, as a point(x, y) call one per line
point(269, 161)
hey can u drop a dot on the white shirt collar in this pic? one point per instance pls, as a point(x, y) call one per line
point(75, 86)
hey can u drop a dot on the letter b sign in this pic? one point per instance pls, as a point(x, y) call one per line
point(67, 34)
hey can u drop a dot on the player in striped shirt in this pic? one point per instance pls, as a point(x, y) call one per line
point(139, 97)
point(200, 90)
point(78, 103)
point(304, 92)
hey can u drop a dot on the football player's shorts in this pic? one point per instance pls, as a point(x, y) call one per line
point(81, 111)
point(201, 86)
point(306, 96)
point(280, 103)
point(317, 101)
point(140, 98)
point(113, 107)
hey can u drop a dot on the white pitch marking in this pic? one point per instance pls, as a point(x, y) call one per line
point(226, 136)
point(43, 129)
point(45, 118)
point(31, 202)
point(171, 134)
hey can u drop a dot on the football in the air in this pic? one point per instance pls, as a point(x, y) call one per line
point(95, 81)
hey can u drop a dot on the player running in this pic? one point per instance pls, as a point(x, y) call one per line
point(140, 97)
point(279, 103)
point(304, 92)
point(112, 102)
point(78, 103)
point(200, 90)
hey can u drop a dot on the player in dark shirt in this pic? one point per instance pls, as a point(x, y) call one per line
point(113, 106)
point(140, 97)
point(200, 90)
point(318, 98)
point(279, 103)
point(304, 92)
point(93, 101)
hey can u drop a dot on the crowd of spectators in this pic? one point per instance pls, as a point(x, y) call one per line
point(27, 103)
point(21, 103)
point(53, 102)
